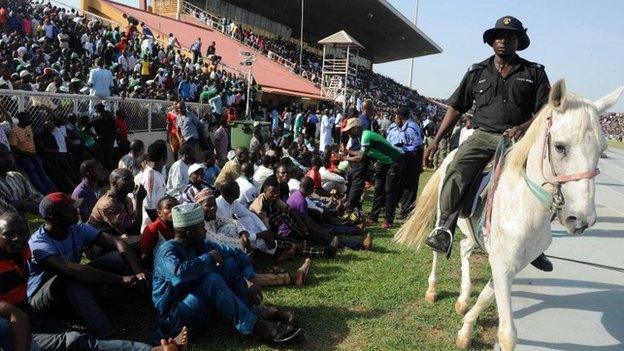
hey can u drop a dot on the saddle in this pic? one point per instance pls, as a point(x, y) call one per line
point(474, 200)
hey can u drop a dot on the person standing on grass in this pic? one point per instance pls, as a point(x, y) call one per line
point(152, 179)
point(401, 178)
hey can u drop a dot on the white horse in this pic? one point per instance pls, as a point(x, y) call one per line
point(557, 160)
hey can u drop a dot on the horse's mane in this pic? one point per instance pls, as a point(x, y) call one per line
point(518, 154)
point(579, 111)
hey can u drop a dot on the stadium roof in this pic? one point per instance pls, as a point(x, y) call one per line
point(385, 33)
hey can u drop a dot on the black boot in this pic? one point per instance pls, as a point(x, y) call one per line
point(440, 240)
point(542, 263)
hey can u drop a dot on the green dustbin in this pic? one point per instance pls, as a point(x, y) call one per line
point(242, 131)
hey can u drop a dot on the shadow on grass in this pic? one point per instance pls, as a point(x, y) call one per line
point(325, 327)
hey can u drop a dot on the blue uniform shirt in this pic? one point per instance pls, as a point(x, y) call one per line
point(410, 135)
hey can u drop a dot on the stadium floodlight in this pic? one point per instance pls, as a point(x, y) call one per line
point(248, 61)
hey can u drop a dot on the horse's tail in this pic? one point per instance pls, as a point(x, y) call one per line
point(415, 228)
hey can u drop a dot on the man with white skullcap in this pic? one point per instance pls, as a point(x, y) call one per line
point(194, 277)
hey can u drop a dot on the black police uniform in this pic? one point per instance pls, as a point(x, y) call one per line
point(501, 103)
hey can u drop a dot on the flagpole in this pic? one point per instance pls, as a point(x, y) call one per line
point(411, 74)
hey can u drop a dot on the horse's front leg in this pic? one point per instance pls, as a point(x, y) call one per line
point(503, 278)
point(430, 295)
point(464, 335)
point(463, 301)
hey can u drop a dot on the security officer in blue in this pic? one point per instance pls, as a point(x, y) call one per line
point(507, 92)
point(399, 181)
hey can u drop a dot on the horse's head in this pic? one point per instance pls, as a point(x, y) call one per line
point(572, 150)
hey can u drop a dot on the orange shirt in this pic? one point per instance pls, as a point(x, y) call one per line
point(172, 127)
point(22, 139)
point(231, 116)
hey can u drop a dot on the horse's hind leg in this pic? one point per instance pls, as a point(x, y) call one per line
point(464, 335)
point(463, 301)
point(430, 295)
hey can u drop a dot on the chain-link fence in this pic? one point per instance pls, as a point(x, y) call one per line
point(141, 115)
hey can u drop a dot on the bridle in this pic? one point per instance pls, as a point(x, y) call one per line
point(559, 179)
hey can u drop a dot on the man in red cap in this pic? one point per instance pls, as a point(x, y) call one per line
point(21, 327)
point(57, 276)
point(507, 92)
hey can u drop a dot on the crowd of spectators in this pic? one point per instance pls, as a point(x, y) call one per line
point(57, 50)
point(613, 125)
point(369, 85)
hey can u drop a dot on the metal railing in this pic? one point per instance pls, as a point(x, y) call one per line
point(142, 115)
point(215, 22)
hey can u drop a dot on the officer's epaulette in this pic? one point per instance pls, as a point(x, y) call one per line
point(477, 66)
point(536, 65)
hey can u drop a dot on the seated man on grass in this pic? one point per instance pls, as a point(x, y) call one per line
point(158, 231)
point(229, 232)
point(116, 213)
point(228, 207)
point(59, 283)
point(193, 278)
point(322, 234)
point(20, 328)
point(289, 226)
point(93, 173)
point(196, 183)
point(18, 193)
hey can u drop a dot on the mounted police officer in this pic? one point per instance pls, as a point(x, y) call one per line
point(507, 92)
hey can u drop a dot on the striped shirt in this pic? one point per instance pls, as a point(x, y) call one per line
point(14, 278)
point(22, 139)
point(13, 187)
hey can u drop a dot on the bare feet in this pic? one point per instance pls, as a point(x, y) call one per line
point(182, 339)
point(167, 345)
point(300, 275)
point(367, 243)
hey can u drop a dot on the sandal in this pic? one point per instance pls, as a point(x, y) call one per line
point(282, 333)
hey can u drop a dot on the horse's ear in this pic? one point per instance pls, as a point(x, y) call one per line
point(606, 102)
point(557, 95)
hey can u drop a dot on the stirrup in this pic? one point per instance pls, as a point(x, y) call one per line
point(450, 247)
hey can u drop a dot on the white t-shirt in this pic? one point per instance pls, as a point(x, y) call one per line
point(177, 179)
point(60, 133)
point(102, 81)
point(154, 183)
point(248, 192)
point(261, 174)
point(49, 30)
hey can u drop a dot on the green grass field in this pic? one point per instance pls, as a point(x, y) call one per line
point(615, 143)
point(358, 301)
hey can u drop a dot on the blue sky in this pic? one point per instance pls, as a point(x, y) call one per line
point(579, 40)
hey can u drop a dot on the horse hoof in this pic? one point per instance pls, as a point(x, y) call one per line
point(461, 308)
point(463, 342)
point(430, 296)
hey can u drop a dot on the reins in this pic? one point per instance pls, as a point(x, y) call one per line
point(591, 264)
point(558, 180)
